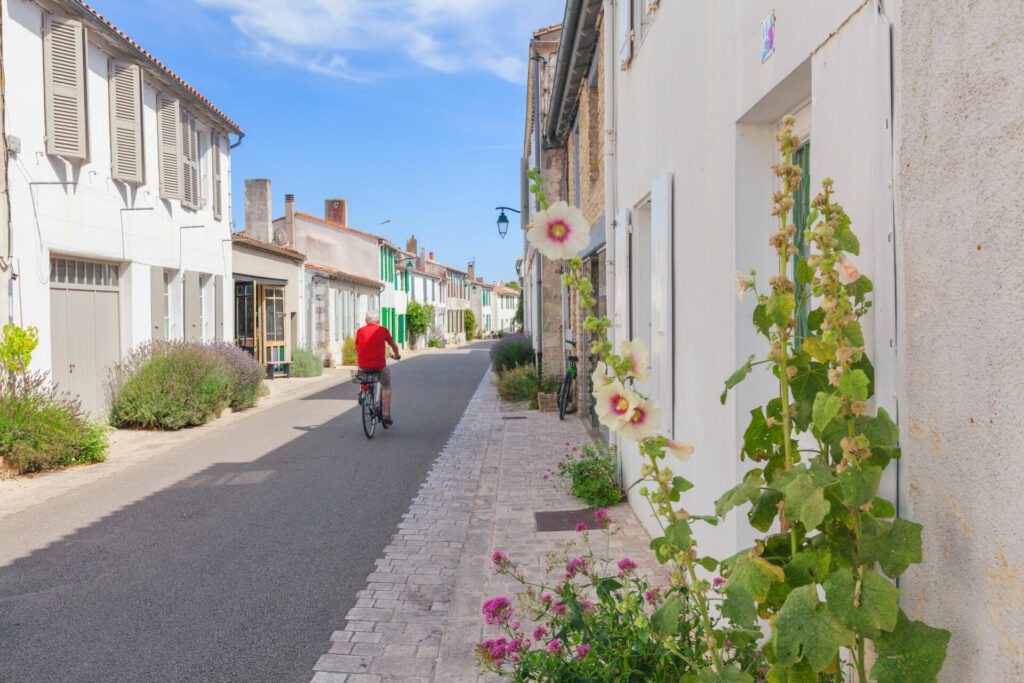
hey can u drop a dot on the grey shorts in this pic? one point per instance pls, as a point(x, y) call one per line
point(384, 376)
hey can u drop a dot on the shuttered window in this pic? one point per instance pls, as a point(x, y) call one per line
point(190, 196)
point(169, 146)
point(64, 87)
point(125, 84)
point(215, 151)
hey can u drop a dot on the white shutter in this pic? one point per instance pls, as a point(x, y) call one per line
point(169, 146)
point(217, 184)
point(624, 32)
point(189, 161)
point(64, 87)
point(125, 84)
point(621, 315)
point(662, 379)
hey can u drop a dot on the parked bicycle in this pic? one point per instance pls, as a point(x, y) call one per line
point(567, 392)
point(370, 400)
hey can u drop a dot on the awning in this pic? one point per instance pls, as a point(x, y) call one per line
point(257, 279)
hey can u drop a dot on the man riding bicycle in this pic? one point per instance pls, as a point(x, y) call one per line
point(371, 343)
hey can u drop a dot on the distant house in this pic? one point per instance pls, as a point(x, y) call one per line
point(506, 302)
point(482, 303)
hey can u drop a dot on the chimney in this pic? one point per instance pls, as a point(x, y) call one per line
point(471, 271)
point(258, 221)
point(289, 219)
point(410, 245)
point(431, 256)
point(336, 211)
point(422, 265)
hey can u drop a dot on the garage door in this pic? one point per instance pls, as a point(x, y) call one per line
point(86, 327)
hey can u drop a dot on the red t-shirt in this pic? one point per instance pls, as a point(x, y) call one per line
point(371, 342)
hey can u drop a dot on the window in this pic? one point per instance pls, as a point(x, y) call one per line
point(125, 85)
point(190, 194)
point(64, 87)
point(218, 190)
point(169, 146)
point(90, 274)
point(274, 298)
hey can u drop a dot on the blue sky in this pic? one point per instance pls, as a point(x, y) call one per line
point(413, 110)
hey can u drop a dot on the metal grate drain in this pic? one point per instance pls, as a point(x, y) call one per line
point(513, 417)
point(563, 520)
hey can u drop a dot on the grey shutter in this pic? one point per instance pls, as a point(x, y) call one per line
point(191, 313)
point(169, 146)
point(157, 302)
point(218, 307)
point(662, 328)
point(64, 87)
point(620, 302)
point(189, 161)
point(217, 184)
point(125, 83)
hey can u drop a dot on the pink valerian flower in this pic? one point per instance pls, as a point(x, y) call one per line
point(581, 651)
point(639, 358)
point(717, 582)
point(547, 598)
point(514, 645)
point(581, 527)
point(545, 477)
point(514, 625)
point(653, 597)
point(493, 651)
point(497, 610)
point(500, 560)
point(848, 272)
point(539, 633)
point(642, 421)
point(554, 646)
point(586, 605)
point(602, 518)
point(626, 566)
point(559, 608)
point(576, 566)
point(614, 404)
point(680, 449)
point(560, 232)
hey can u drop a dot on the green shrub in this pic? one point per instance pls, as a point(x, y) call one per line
point(511, 351)
point(470, 319)
point(418, 318)
point(522, 384)
point(349, 355)
point(546, 385)
point(306, 364)
point(589, 471)
point(246, 376)
point(435, 343)
point(43, 428)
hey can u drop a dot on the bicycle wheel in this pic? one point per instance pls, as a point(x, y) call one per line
point(563, 396)
point(369, 417)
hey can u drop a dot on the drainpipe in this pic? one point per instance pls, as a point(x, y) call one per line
point(539, 257)
point(610, 201)
point(6, 229)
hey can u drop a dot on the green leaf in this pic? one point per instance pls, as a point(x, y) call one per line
point(761, 320)
point(679, 534)
point(739, 607)
point(812, 217)
point(665, 619)
point(882, 509)
point(894, 546)
point(814, 320)
point(806, 630)
point(680, 484)
point(798, 673)
point(848, 241)
point(744, 492)
point(854, 335)
point(710, 519)
point(912, 653)
point(868, 612)
point(805, 499)
point(780, 308)
point(859, 484)
point(737, 377)
point(826, 407)
point(754, 574)
point(709, 563)
point(854, 385)
point(765, 507)
point(804, 273)
point(881, 431)
point(728, 675)
point(760, 438)
point(810, 565)
point(860, 287)
point(819, 349)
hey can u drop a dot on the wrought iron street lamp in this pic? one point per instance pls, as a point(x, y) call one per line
point(503, 219)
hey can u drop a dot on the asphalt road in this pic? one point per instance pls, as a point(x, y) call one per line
point(241, 568)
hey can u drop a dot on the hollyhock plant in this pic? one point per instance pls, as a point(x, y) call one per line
point(559, 232)
point(635, 354)
point(614, 404)
point(642, 422)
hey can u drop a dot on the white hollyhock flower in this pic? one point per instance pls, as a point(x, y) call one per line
point(614, 404)
point(642, 422)
point(848, 272)
point(639, 358)
point(560, 232)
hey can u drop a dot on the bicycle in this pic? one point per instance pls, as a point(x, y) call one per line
point(370, 400)
point(567, 392)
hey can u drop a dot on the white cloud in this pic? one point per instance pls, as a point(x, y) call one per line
point(450, 36)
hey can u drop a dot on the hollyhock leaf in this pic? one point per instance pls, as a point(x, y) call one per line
point(912, 653)
point(868, 613)
point(739, 607)
point(761, 321)
point(679, 534)
point(808, 566)
point(760, 438)
point(854, 335)
point(737, 377)
point(805, 499)
point(819, 349)
point(709, 563)
point(881, 431)
point(661, 549)
point(680, 484)
point(806, 630)
point(806, 386)
point(780, 308)
point(882, 509)
point(744, 492)
point(894, 546)
point(665, 619)
point(854, 385)
point(804, 272)
point(860, 288)
point(710, 519)
point(727, 675)
point(814, 319)
point(826, 407)
point(859, 484)
point(764, 509)
point(754, 574)
point(798, 673)
point(847, 240)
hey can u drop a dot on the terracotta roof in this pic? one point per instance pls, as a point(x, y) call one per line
point(437, 263)
point(332, 224)
point(481, 283)
point(84, 8)
point(508, 291)
point(547, 29)
point(267, 246)
point(347, 276)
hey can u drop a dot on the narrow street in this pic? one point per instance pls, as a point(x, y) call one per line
point(246, 550)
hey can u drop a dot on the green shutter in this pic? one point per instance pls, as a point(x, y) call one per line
point(801, 209)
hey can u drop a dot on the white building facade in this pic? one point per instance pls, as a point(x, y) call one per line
point(119, 185)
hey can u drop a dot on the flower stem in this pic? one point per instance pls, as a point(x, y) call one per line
point(783, 348)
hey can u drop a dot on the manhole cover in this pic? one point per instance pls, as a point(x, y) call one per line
point(563, 520)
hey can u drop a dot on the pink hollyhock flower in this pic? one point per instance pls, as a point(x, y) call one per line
point(581, 527)
point(554, 646)
point(642, 421)
point(639, 358)
point(581, 651)
point(626, 565)
point(614, 404)
point(560, 608)
point(539, 633)
point(680, 449)
point(848, 272)
point(602, 518)
point(497, 610)
point(560, 232)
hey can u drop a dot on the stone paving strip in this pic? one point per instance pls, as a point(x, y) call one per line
point(419, 618)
